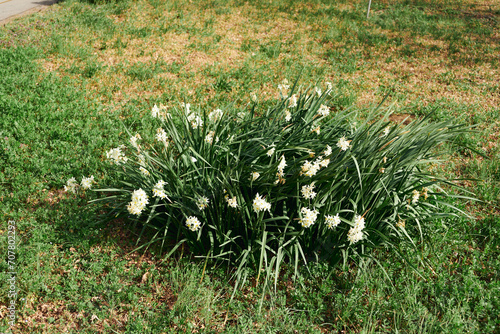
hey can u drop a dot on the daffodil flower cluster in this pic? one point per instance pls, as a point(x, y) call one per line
point(155, 111)
point(144, 171)
point(241, 116)
point(415, 196)
point(323, 110)
point(116, 155)
point(142, 160)
point(260, 204)
point(195, 120)
point(160, 112)
point(193, 223)
point(72, 186)
point(308, 191)
point(187, 107)
point(343, 144)
point(202, 202)
point(311, 168)
point(284, 86)
point(324, 162)
point(328, 151)
point(288, 115)
point(271, 150)
point(159, 191)
point(87, 182)
point(253, 96)
point(161, 136)
point(332, 221)
point(215, 115)
point(138, 202)
point(308, 217)
point(281, 169)
point(209, 138)
point(254, 176)
point(355, 233)
point(232, 202)
point(133, 141)
point(318, 91)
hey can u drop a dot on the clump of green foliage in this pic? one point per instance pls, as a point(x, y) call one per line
point(296, 181)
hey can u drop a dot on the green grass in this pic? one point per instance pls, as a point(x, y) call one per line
point(69, 74)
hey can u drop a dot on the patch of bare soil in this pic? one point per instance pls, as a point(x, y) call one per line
point(402, 118)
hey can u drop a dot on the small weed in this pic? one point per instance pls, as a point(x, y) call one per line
point(141, 71)
point(140, 32)
point(271, 50)
point(222, 84)
point(119, 44)
point(174, 67)
point(371, 39)
point(247, 45)
point(408, 51)
point(343, 60)
point(91, 69)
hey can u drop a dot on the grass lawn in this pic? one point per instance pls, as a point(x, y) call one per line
point(70, 76)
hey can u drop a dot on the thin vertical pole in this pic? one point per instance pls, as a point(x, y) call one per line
point(368, 12)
